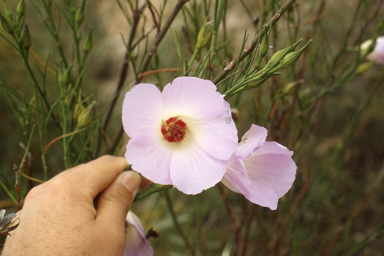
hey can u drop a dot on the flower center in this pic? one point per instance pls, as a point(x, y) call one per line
point(173, 130)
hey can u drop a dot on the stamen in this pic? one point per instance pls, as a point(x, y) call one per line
point(173, 129)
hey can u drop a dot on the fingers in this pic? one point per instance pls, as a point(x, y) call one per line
point(97, 175)
point(115, 202)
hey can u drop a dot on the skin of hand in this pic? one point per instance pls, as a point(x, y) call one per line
point(59, 217)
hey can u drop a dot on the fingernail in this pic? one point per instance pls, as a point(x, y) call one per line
point(131, 180)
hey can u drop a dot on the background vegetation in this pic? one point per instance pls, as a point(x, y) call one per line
point(327, 108)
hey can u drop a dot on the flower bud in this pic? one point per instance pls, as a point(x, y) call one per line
point(26, 37)
point(79, 17)
point(64, 77)
point(21, 7)
point(88, 42)
point(205, 35)
point(32, 104)
point(264, 47)
point(275, 57)
point(6, 24)
point(85, 116)
point(364, 67)
point(69, 98)
point(364, 46)
point(377, 54)
point(79, 108)
point(291, 87)
point(9, 13)
point(292, 57)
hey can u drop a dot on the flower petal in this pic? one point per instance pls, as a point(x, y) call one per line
point(236, 177)
point(272, 147)
point(217, 136)
point(262, 194)
point(137, 244)
point(193, 170)
point(143, 108)
point(251, 141)
point(193, 97)
point(271, 166)
point(150, 157)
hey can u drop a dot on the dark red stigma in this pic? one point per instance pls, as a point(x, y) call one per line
point(173, 130)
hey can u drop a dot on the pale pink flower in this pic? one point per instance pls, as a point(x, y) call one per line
point(377, 54)
point(183, 136)
point(137, 244)
point(260, 170)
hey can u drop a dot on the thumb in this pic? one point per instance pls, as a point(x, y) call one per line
point(114, 203)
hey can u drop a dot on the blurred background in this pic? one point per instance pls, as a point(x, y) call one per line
point(327, 108)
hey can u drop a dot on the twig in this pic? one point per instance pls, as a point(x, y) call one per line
point(140, 76)
point(154, 16)
point(124, 68)
point(17, 186)
point(247, 225)
point(18, 170)
point(146, 61)
point(8, 192)
point(41, 62)
point(123, 72)
point(250, 49)
point(142, 37)
point(6, 203)
point(123, 75)
point(161, 35)
point(61, 137)
point(31, 178)
point(227, 205)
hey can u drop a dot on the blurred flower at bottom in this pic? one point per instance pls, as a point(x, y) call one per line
point(137, 244)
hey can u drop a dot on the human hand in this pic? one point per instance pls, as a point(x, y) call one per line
point(59, 217)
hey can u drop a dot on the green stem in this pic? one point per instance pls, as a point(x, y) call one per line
point(195, 53)
point(216, 26)
point(24, 54)
point(64, 114)
point(261, 75)
point(153, 188)
point(26, 152)
point(176, 223)
point(52, 29)
point(8, 192)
